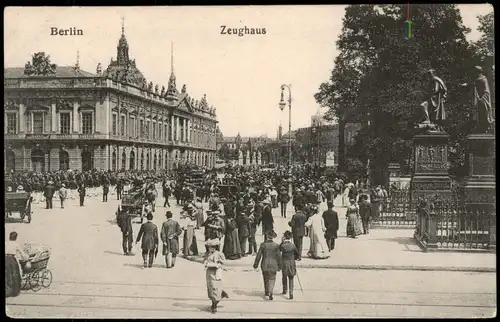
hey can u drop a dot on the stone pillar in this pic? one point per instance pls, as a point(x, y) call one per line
point(107, 117)
point(75, 118)
point(178, 129)
point(22, 118)
point(430, 175)
point(53, 127)
point(189, 131)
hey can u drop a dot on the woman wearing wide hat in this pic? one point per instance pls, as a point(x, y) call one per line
point(214, 260)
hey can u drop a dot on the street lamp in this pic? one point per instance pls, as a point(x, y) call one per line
point(282, 105)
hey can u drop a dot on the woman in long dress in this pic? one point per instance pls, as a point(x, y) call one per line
point(190, 247)
point(345, 195)
point(199, 213)
point(232, 247)
point(353, 228)
point(318, 249)
point(214, 260)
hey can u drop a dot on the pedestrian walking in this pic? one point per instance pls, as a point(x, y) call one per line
point(331, 219)
point(149, 236)
point(365, 212)
point(269, 256)
point(283, 198)
point(213, 261)
point(289, 253)
point(105, 191)
point(170, 232)
point(119, 189)
point(63, 195)
point(49, 194)
point(124, 221)
point(298, 225)
point(81, 193)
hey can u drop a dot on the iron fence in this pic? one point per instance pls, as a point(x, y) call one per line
point(445, 225)
point(396, 210)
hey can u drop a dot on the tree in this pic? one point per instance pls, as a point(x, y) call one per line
point(40, 65)
point(224, 153)
point(379, 74)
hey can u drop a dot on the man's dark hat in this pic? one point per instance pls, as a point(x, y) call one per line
point(149, 216)
point(287, 234)
point(271, 234)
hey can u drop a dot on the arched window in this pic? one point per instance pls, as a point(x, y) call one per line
point(132, 160)
point(147, 161)
point(38, 160)
point(124, 160)
point(142, 161)
point(63, 160)
point(166, 160)
point(155, 160)
point(10, 160)
point(206, 160)
point(113, 161)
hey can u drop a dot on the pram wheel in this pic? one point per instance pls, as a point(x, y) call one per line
point(35, 282)
point(46, 278)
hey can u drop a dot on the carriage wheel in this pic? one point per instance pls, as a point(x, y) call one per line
point(35, 282)
point(46, 278)
point(25, 283)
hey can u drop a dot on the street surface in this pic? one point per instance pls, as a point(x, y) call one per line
point(93, 279)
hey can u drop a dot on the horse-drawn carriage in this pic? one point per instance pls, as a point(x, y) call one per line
point(135, 204)
point(18, 202)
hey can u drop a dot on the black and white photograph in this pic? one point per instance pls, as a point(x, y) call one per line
point(278, 161)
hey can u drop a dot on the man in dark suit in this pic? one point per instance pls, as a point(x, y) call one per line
point(288, 254)
point(170, 232)
point(331, 220)
point(124, 221)
point(149, 235)
point(297, 224)
point(365, 212)
point(49, 194)
point(270, 254)
point(243, 231)
point(81, 193)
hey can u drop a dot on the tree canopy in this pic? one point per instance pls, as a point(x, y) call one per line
point(379, 75)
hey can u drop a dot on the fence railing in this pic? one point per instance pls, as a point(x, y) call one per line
point(449, 225)
point(396, 210)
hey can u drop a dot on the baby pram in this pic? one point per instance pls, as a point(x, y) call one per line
point(35, 275)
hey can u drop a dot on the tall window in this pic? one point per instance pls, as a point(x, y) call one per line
point(115, 117)
point(11, 123)
point(167, 132)
point(154, 130)
point(148, 125)
point(38, 123)
point(132, 127)
point(141, 128)
point(122, 125)
point(87, 123)
point(64, 123)
point(160, 131)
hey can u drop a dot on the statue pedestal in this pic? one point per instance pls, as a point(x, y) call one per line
point(430, 174)
point(479, 186)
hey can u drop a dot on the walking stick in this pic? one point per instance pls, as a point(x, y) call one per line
point(300, 284)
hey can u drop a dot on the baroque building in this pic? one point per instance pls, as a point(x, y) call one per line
point(68, 118)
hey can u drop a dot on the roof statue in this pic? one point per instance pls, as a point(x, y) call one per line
point(77, 65)
point(196, 104)
point(99, 69)
point(203, 102)
point(183, 90)
point(150, 87)
point(123, 68)
point(162, 93)
point(40, 66)
point(156, 89)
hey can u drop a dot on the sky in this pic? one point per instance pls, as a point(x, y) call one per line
point(241, 76)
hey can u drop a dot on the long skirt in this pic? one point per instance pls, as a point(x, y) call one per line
point(353, 228)
point(190, 248)
point(199, 219)
point(318, 249)
point(214, 286)
point(232, 247)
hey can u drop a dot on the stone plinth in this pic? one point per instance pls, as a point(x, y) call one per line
point(479, 185)
point(430, 173)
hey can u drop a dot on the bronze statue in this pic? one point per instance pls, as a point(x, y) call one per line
point(99, 70)
point(156, 89)
point(433, 107)
point(482, 112)
point(183, 90)
point(150, 87)
point(162, 93)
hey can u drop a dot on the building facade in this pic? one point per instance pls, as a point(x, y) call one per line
point(67, 118)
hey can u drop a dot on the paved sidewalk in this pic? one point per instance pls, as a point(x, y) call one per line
point(381, 249)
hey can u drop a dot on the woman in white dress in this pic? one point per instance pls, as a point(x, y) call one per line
point(318, 249)
point(214, 261)
point(345, 196)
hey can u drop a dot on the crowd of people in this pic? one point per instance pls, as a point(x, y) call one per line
point(240, 202)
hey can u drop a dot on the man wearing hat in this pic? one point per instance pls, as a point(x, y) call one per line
point(297, 223)
point(288, 255)
point(149, 235)
point(214, 226)
point(267, 217)
point(63, 194)
point(49, 194)
point(270, 254)
point(170, 232)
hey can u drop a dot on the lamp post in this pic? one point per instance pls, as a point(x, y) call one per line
point(282, 105)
